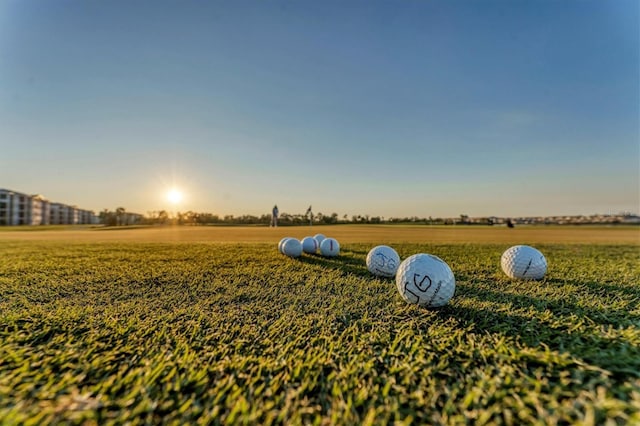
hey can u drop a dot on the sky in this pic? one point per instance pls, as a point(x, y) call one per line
point(381, 108)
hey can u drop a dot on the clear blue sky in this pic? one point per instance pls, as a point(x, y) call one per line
point(393, 108)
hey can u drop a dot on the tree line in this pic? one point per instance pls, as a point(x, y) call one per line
point(162, 217)
point(121, 217)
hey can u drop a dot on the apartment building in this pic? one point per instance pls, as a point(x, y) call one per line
point(40, 210)
point(14, 207)
point(61, 214)
point(17, 208)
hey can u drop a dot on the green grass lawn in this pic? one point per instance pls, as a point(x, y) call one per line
point(236, 333)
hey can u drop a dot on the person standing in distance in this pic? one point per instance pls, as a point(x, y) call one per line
point(274, 216)
point(310, 214)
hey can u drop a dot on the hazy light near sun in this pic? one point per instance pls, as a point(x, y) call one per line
point(174, 196)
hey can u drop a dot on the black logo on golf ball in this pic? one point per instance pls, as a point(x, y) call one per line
point(423, 285)
point(383, 263)
point(380, 260)
point(527, 268)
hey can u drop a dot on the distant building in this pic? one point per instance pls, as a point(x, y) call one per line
point(40, 209)
point(13, 208)
point(59, 214)
point(132, 219)
point(17, 208)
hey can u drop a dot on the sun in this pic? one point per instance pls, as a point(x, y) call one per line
point(174, 196)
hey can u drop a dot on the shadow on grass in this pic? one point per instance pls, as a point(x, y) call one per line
point(598, 288)
point(359, 252)
point(558, 306)
point(615, 353)
point(562, 305)
point(344, 263)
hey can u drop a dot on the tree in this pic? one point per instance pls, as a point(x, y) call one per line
point(330, 219)
point(108, 218)
point(163, 217)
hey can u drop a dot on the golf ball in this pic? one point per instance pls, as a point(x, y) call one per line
point(329, 247)
point(319, 238)
point(309, 245)
point(523, 262)
point(282, 241)
point(425, 280)
point(383, 261)
point(292, 248)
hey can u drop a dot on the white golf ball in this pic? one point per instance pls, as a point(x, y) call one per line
point(425, 280)
point(309, 245)
point(292, 248)
point(329, 247)
point(523, 262)
point(383, 261)
point(282, 241)
point(319, 238)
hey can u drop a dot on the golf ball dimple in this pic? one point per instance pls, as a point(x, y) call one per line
point(383, 261)
point(330, 247)
point(292, 248)
point(309, 245)
point(523, 262)
point(425, 280)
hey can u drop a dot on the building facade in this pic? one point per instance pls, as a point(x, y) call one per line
point(17, 208)
point(40, 210)
point(14, 207)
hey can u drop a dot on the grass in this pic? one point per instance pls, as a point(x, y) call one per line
point(233, 332)
point(374, 234)
point(46, 228)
